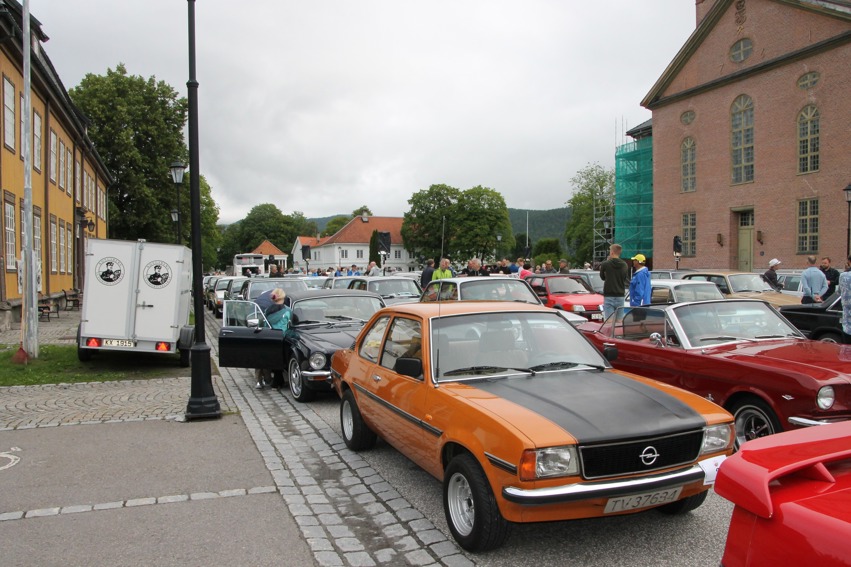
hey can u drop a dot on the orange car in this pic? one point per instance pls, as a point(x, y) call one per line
point(522, 418)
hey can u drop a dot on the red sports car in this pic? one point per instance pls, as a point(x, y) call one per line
point(793, 499)
point(738, 353)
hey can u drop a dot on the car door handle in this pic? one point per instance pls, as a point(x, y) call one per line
point(225, 332)
point(608, 344)
point(376, 378)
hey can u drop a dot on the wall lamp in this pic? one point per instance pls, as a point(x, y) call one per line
point(759, 237)
point(719, 238)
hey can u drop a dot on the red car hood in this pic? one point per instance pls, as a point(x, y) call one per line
point(589, 301)
point(820, 360)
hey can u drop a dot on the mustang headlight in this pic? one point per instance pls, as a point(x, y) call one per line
point(825, 397)
point(717, 438)
point(317, 361)
point(549, 462)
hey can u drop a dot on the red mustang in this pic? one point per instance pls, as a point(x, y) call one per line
point(793, 499)
point(738, 353)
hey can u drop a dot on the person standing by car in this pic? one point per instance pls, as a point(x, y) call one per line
point(639, 287)
point(615, 274)
point(428, 271)
point(770, 275)
point(278, 316)
point(474, 268)
point(563, 266)
point(813, 282)
point(443, 272)
point(373, 270)
point(845, 297)
point(832, 275)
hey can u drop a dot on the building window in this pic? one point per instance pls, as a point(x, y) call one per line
point(808, 140)
point(61, 164)
point(36, 141)
point(21, 135)
point(688, 163)
point(397, 255)
point(689, 230)
point(77, 180)
point(69, 169)
point(52, 166)
point(359, 254)
point(69, 244)
point(808, 80)
point(9, 114)
point(741, 50)
point(37, 243)
point(62, 247)
point(687, 117)
point(11, 236)
point(808, 226)
point(344, 254)
point(742, 123)
point(53, 246)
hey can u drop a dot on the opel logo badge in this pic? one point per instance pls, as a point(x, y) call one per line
point(649, 455)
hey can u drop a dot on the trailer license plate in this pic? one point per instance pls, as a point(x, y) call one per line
point(118, 343)
point(637, 501)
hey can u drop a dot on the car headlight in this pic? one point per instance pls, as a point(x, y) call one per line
point(317, 361)
point(578, 308)
point(825, 397)
point(717, 438)
point(549, 462)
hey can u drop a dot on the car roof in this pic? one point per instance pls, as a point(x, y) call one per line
point(574, 276)
point(675, 282)
point(462, 279)
point(325, 292)
point(720, 273)
point(441, 308)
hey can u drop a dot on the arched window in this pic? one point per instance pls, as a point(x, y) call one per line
point(741, 50)
point(808, 140)
point(688, 164)
point(742, 129)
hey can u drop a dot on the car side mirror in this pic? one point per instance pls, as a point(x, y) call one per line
point(253, 323)
point(656, 339)
point(610, 353)
point(412, 367)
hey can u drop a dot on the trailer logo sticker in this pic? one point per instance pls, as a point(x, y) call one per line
point(110, 270)
point(157, 274)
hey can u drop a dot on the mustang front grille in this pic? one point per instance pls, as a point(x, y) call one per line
point(643, 455)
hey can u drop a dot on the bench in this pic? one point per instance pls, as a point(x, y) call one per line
point(72, 299)
point(47, 307)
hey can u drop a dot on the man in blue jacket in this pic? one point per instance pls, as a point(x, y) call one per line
point(639, 285)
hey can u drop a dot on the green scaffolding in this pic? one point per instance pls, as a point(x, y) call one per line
point(634, 197)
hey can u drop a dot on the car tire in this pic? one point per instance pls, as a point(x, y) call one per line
point(356, 433)
point(754, 419)
point(301, 393)
point(470, 507)
point(834, 338)
point(685, 505)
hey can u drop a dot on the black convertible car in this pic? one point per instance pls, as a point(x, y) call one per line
point(323, 321)
point(817, 321)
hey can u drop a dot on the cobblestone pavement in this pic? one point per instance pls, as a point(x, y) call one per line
point(345, 510)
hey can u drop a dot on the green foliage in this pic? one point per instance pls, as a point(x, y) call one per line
point(591, 184)
point(482, 214)
point(334, 225)
point(364, 210)
point(428, 224)
point(547, 246)
point(542, 224)
point(520, 247)
point(59, 364)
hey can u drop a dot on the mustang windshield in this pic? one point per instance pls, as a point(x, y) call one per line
point(724, 321)
point(484, 344)
point(334, 309)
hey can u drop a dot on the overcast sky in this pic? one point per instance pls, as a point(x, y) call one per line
point(323, 106)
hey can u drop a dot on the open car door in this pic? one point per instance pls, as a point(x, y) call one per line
point(246, 340)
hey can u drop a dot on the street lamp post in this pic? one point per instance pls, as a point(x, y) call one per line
point(203, 402)
point(848, 233)
point(177, 168)
point(175, 218)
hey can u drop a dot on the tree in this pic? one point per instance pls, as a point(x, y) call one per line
point(429, 225)
point(211, 237)
point(520, 246)
point(483, 214)
point(137, 128)
point(334, 225)
point(592, 184)
point(364, 210)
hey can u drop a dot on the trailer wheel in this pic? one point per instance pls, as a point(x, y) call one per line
point(83, 354)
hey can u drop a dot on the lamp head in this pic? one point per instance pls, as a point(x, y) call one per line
point(177, 168)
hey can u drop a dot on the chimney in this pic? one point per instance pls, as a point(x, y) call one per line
point(364, 217)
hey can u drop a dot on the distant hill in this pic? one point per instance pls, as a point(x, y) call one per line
point(542, 224)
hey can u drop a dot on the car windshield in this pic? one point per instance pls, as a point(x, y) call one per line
point(314, 282)
point(222, 285)
point(696, 292)
point(716, 322)
point(334, 309)
point(498, 289)
point(487, 345)
point(748, 282)
point(567, 285)
point(260, 286)
point(402, 287)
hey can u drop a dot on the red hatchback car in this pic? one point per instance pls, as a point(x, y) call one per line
point(569, 293)
point(792, 493)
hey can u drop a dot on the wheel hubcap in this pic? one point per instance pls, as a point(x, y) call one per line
point(295, 378)
point(462, 510)
point(347, 420)
point(752, 424)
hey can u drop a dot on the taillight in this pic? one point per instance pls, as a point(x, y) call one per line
point(93, 342)
point(163, 347)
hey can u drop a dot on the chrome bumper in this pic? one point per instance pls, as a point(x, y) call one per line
point(603, 489)
point(804, 422)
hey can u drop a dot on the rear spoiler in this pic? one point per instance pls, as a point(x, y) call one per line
point(745, 478)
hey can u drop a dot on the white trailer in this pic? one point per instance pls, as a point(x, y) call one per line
point(136, 298)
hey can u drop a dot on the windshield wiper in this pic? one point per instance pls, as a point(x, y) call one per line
point(344, 318)
point(775, 336)
point(726, 338)
point(484, 370)
point(554, 365)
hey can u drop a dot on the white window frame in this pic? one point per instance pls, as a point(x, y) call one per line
point(69, 243)
point(61, 164)
point(53, 246)
point(36, 141)
point(52, 165)
point(61, 247)
point(11, 236)
point(9, 113)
